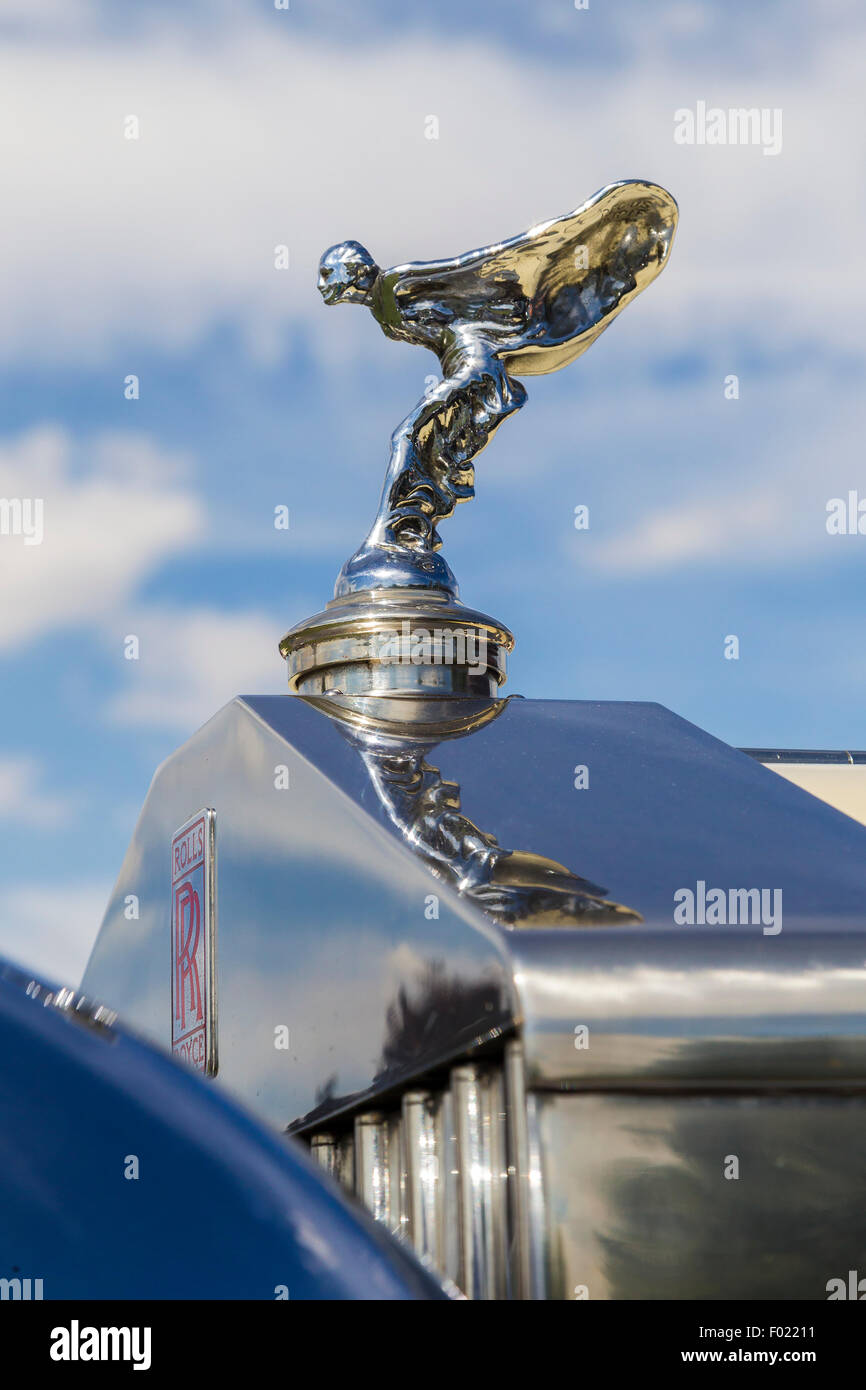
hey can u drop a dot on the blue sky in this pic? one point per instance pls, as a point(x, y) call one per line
point(154, 256)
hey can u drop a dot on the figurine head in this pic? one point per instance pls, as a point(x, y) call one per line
point(346, 274)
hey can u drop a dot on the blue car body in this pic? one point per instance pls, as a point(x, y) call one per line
point(122, 1175)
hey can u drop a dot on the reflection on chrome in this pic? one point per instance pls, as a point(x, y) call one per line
point(516, 887)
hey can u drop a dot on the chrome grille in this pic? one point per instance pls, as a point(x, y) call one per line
point(446, 1172)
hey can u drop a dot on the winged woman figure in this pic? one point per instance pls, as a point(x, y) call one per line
point(529, 305)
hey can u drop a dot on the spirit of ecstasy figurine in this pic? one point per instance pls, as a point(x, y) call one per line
point(528, 305)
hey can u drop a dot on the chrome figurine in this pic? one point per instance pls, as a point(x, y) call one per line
point(531, 304)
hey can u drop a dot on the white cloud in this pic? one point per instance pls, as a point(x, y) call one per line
point(49, 15)
point(263, 135)
point(50, 929)
point(104, 528)
point(697, 530)
point(23, 796)
point(762, 506)
point(192, 662)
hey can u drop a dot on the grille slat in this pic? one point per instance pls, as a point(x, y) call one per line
point(444, 1173)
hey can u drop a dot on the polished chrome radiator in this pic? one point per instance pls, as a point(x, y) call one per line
point(446, 1171)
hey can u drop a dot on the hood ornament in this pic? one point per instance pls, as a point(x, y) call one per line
point(529, 305)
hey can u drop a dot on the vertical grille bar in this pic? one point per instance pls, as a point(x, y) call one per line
point(372, 1166)
point(380, 1173)
point(479, 1109)
point(449, 1179)
point(323, 1147)
point(527, 1261)
point(336, 1156)
point(423, 1188)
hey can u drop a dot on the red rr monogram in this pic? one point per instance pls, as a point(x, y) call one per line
point(187, 919)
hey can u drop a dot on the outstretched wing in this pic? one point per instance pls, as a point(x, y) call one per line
point(543, 297)
point(580, 271)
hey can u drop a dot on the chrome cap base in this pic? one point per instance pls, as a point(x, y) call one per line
point(397, 641)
